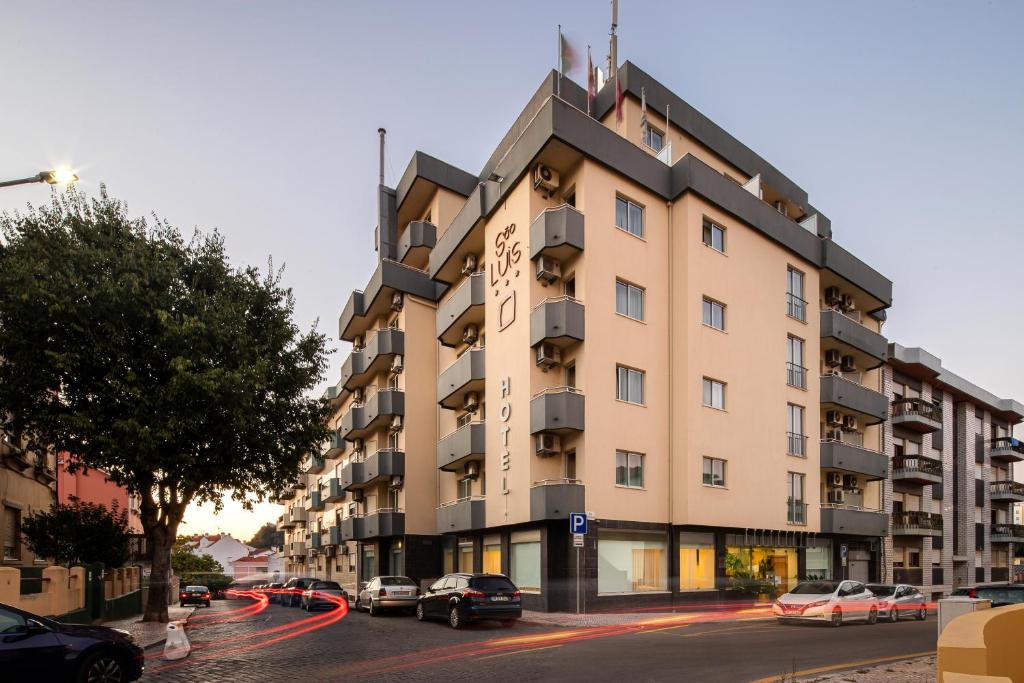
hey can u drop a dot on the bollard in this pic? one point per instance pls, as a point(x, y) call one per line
point(177, 645)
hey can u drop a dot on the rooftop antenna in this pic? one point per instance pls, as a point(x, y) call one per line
point(613, 41)
point(382, 134)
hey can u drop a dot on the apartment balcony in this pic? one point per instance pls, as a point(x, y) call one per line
point(464, 307)
point(382, 523)
point(557, 232)
point(352, 528)
point(849, 457)
point(913, 576)
point(1006, 449)
point(850, 397)
point(1006, 491)
point(558, 320)
point(466, 374)
point(465, 444)
point(315, 464)
point(377, 355)
point(558, 410)
point(296, 549)
point(916, 469)
point(1007, 533)
point(332, 491)
point(284, 522)
point(332, 536)
point(390, 278)
point(298, 515)
point(868, 347)
point(465, 514)
point(382, 465)
point(415, 243)
point(314, 502)
point(555, 499)
point(288, 493)
point(334, 446)
point(376, 412)
point(916, 414)
point(334, 395)
point(916, 523)
point(315, 541)
point(851, 520)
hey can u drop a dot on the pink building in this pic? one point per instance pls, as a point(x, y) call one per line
point(94, 487)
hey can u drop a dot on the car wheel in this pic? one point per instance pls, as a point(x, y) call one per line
point(453, 618)
point(837, 617)
point(922, 614)
point(894, 614)
point(374, 611)
point(102, 667)
point(420, 614)
point(872, 615)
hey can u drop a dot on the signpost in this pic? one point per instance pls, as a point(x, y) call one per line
point(578, 529)
point(843, 553)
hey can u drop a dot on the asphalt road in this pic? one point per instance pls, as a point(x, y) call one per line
point(280, 644)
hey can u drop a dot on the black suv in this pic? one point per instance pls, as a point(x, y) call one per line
point(273, 591)
point(1001, 594)
point(468, 597)
point(33, 648)
point(291, 594)
point(194, 595)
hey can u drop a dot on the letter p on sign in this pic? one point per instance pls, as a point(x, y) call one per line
point(577, 522)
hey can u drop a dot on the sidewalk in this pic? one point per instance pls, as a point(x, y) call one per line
point(148, 634)
point(920, 670)
point(615, 618)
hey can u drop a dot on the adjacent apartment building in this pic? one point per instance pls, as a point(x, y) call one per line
point(27, 485)
point(641, 319)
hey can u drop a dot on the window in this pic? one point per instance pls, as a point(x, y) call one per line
point(796, 373)
point(714, 393)
point(393, 498)
point(629, 217)
point(696, 561)
point(714, 472)
point(714, 314)
point(465, 555)
point(524, 561)
point(570, 375)
point(796, 511)
point(795, 430)
point(629, 385)
point(465, 488)
point(570, 197)
point(629, 300)
point(631, 561)
point(654, 139)
point(629, 469)
point(570, 464)
point(796, 306)
point(569, 286)
point(393, 440)
point(492, 558)
point(12, 533)
point(714, 236)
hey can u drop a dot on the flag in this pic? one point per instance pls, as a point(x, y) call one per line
point(618, 101)
point(591, 81)
point(643, 113)
point(568, 60)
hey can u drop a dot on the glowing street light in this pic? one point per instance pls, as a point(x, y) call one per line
point(56, 176)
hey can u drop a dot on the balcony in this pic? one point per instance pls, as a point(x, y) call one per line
point(916, 523)
point(315, 464)
point(558, 409)
point(415, 243)
point(851, 520)
point(390, 277)
point(284, 522)
point(916, 414)
point(1006, 491)
point(461, 377)
point(465, 514)
point(913, 576)
point(465, 444)
point(383, 522)
point(296, 549)
point(374, 357)
point(916, 469)
point(557, 232)
point(555, 499)
point(1008, 533)
point(288, 493)
point(465, 306)
point(849, 333)
point(850, 397)
point(1006, 449)
point(379, 410)
point(334, 395)
point(332, 536)
point(352, 528)
point(314, 541)
point(848, 457)
point(382, 465)
point(298, 515)
point(334, 446)
point(557, 320)
point(332, 491)
point(314, 503)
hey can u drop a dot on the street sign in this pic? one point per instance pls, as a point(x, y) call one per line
point(843, 551)
point(577, 540)
point(577, 522)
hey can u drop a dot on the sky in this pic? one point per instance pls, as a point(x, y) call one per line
point(902, 120)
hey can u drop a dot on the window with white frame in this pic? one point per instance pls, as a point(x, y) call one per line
point(654, 138)
point(714, 236)
point(714, 314)
point(796, 373)
point(629, 300)
point(629, 216)
point(795, 430)
point(714, 471)
point(629, 469)
point(629, 384)
point(714, 393)
point(796, 510)
point(796, 305)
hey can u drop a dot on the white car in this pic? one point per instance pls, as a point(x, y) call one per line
point(830, 602)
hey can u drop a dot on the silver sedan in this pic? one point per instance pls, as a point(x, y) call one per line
point(899, 600)
point(388, 592)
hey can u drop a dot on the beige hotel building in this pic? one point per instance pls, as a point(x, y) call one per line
point(652, 325)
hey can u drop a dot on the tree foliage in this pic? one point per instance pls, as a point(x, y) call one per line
point(151, 357)
point(184, 561)
point(267, 536)
point(79, 533)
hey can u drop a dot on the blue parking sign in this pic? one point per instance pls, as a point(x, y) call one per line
point(577, 522)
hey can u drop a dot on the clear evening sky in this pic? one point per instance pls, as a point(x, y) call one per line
point(901, 119)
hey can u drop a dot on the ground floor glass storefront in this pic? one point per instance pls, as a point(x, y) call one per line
point(631, 561)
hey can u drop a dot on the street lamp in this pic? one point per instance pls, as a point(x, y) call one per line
point(55, 176)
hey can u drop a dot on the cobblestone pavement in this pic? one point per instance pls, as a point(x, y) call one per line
point(921, 670)
point(147, 634)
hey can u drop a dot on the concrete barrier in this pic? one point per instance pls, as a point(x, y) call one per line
point(983, 644)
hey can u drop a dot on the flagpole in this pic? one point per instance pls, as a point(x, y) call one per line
point(590, 78)
point(558, 83)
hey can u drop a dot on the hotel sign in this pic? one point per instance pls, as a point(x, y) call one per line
point(507, 254)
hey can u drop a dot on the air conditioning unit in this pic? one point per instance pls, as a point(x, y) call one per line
point(472, 470)
point(396, 481)
point(548, 356)
point(357, 446)
point(848, 364)
point(469, 264)
point(832, 297)
point(835, 480)
point(849, 482)
point(396, 424)
point(357, 497)
point(549, 270)
point(836, 496)
point(849, 423)
point(545, 178)
point(472, 402)
point(847, 303)
point(834, 418)
point(358, 395)
point(396, 301)
point(396, 364)
point(833, 358)
point(470, 334)
point(358, 343)
point(548, 444)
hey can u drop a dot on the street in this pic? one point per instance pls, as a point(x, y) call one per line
point(281, 643)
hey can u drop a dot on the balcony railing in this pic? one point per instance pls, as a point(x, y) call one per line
point(1007, 489)
point(1007, 533)
point(797, 444)
point(796, 307)
point(796, 375)
point(910, 520)
point(796, 512)
point(915, 406)
point(911, 464)
point(1006, 448)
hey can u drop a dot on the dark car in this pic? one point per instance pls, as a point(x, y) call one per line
point(273, 591)
point(1001, 594)
point(33, 648)
point(460, 598)
point(327, 594)
point(291, 593)
point(194, 595)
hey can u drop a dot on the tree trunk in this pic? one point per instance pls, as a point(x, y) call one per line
point(159, 546)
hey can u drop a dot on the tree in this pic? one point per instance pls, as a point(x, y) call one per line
point(79, 533)
point(267, 537)
point(151, 357)
point(200, 569)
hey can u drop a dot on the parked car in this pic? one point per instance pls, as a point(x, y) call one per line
point(899, 600)
point(322, 594)
point(831, 602)
point(388, 592)
point(468, 597)
point(194, 595)
point(1001, 594)
point(273, 591)
point(34, 648)
point(291, 593)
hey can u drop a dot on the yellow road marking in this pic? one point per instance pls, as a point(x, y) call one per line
point(847, 665)
point(539, 638)
point(519, 652)
point(663, 628)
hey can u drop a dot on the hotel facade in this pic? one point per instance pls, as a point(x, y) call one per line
point(647, 323)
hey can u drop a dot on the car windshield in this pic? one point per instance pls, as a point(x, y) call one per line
point(882, 590)
point(815, 588)
point(196, 589)
point(490, 584)
point(396, 581)
point(327, 586)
